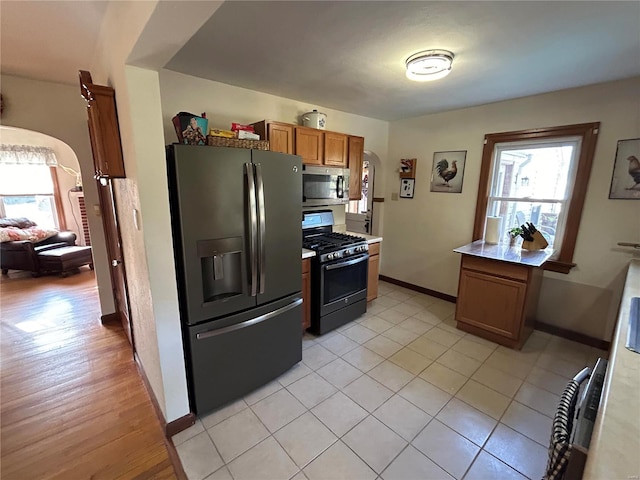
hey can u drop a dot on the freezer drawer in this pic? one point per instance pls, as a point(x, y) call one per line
point(229, 362)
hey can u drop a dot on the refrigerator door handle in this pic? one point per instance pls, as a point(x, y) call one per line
point(253, 225)
point(248, 323)
point(261, 218)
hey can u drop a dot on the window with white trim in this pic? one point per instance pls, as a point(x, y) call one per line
point(27, 184)
point(532, 182)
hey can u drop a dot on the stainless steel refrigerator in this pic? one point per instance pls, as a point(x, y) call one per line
point(237, 239)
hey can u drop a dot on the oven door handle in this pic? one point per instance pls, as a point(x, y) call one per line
point(346, 263)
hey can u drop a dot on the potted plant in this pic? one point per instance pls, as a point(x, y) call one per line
point(514, 233)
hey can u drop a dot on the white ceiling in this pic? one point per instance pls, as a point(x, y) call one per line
point(350, 55)
point(49, 40)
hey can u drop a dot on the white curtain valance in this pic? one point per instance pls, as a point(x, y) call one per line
point(27, 155)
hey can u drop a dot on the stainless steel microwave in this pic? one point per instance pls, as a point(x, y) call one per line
point(324, 186)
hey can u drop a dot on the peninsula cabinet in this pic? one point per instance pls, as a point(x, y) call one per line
point(306, 294)
point(280, 135)
point(309, 144)
point(356, 157)
point(335, 149)
point(497, 299)
point(374, 270)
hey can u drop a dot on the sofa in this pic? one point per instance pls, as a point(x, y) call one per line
point(21, 240)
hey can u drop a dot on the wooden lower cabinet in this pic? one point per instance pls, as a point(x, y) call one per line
point(306, 294)
point(497, 300)
point(374, 270)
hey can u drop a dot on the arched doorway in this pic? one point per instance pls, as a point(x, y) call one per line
point(359, 217)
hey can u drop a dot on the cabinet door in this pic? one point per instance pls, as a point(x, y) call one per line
point(103, 124)
point(280, 137)
point(372, 280)
point(356, 156)
point(335, 149)
point(309, 145)
point(492, 303)
point(306, 295)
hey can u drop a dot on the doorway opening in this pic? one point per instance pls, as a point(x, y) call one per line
point(359, 215)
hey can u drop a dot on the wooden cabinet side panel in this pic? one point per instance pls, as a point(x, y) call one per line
point(491, 303)
point(356, 157)
point(280, 137)
point(372, 279)
point(306, 294)
point(335, 149)
point(309, 145)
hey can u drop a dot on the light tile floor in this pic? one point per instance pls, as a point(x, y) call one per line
point(399, 393)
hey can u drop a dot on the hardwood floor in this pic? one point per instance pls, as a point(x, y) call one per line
point(72, 404)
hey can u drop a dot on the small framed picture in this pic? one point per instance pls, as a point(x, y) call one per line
point(625, 180)
point(406, 187)
point(448, 171)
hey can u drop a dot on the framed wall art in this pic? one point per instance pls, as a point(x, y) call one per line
point(625, 179)
point(408, 168)
point(448, 171)
point(407, 186)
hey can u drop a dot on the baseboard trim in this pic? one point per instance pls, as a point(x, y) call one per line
point(574, 336)
point(416, 288)
point(169, 429)
point(110, 318)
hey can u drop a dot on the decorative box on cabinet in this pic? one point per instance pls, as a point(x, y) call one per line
point(374, 269)
point(310, 145)
point(104, 131)
point(356, 157)
point(280, 135)
point(497, 300)
point(306, 294)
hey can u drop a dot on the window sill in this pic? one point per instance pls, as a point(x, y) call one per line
point(558, 266)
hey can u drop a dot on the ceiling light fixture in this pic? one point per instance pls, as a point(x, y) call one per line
point(429, 65)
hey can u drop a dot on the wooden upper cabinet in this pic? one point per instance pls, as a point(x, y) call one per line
point(356, 157)
point(335, 149)
point(310, 145)
point(280, 135)
point(103, 128)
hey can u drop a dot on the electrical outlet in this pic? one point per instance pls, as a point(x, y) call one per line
point(96, 210)
point(394, 196)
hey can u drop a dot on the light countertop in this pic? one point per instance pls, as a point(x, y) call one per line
point(615, 444)
point(306, 253)
point(533, 258)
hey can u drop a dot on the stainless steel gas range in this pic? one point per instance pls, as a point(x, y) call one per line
point(338, 272)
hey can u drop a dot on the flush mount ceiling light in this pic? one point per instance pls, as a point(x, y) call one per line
point(429, 65)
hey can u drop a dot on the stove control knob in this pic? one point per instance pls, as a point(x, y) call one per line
point(348, 251)
point(330, 256)
point(338, 254)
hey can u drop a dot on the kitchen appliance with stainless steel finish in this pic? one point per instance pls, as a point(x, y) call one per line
point(325, 186)
point(339, 272)
point(236, 235)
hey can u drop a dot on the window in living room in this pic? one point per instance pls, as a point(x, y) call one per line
point(28, 184)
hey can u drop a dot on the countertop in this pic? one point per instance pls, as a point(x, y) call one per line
point(306, 253)
point(534, 258)
point(615, 444)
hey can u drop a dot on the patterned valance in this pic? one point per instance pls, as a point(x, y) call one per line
point(27, 155)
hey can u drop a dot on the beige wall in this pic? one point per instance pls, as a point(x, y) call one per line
point(59, 111)
point(419, 234)
point(147, 246)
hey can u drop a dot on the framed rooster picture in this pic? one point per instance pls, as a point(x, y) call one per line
point(448, 171)
point(625, 181)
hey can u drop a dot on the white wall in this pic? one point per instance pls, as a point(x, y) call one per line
point(419, 234)
point(59, 111)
